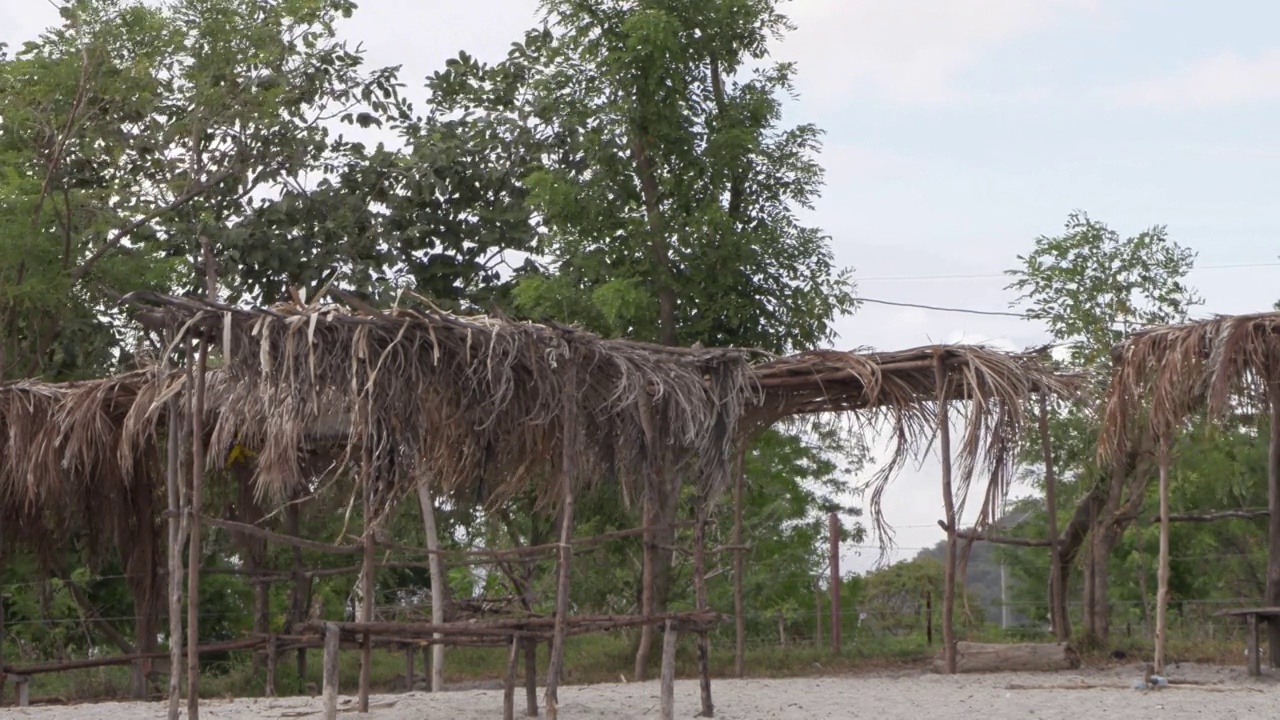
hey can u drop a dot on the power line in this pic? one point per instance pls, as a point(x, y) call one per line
point(937, 308)
point(993, 276)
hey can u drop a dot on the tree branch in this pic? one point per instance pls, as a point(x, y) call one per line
point(125, 232)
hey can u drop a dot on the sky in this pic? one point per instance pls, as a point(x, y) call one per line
point(957, 131)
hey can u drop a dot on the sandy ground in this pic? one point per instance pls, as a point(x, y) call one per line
point(914, 695)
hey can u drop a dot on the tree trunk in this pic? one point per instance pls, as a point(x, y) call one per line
point(1057, 587)
point(437, 583)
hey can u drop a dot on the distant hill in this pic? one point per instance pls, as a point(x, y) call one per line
point(983, 576)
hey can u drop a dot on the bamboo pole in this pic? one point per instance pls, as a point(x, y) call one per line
point(739, 570)
point(1162, 591)
point(435, 562)
point(669, 641)
point(176, 521)
point(568, 471)
point(949, 507)
point(700, 597)
point(1057, 593)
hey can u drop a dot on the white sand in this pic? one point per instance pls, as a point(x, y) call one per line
point(913, 695)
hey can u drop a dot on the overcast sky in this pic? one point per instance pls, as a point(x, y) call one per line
point(959, 130)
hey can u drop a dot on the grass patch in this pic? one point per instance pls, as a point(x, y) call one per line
point(603, 658)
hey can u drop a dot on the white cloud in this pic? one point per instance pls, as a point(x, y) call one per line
point(1224, 80)
point(912, 51)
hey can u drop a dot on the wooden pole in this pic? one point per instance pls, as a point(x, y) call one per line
point(928, 618)
point(436, 564)
point(509, 685)
point(271, 665)
point(176, 522)
point(1273, 505)
point(568, 470)
point(193, 544)
point(410, 654)
point(1057, 593)
point(3, 599)
point(949, 507)
point(331, 645)
point(1162, 592)
point(648, 599)
point(817, 613)
point(700, 597)
point(739, 570)
point(669, 641)
point(297, 594)
point(833, 535)
point(366, 575)
point(531, 677)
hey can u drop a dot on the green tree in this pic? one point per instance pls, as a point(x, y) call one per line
point(663, 187)
point(1090, 286)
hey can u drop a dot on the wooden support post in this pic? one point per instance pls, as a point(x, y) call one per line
point(1252, 656)
point(331, 645)
point(301, 584)
point(21, 686)
point(436, 564)
point(1162, 591)
point(367, 573)
point(410, 654)
point(509, 685)
point(3, 599)
point(833, 539)
point(568, 471)
point(193, 543)
point(1059, 618)
point(739, 569)
point(701, 600)
point(669, 641)
point(928, 617)
point(1273, 505)
point(949, 507)
point(177, 530)
point(817, 613)
point(271, 665)
point(531, 677)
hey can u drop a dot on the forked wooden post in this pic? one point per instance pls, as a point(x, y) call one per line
point(331, 645)
point(949, 507)
point(509, 684)
point(1162, 592)
point(568, 470)
point(669, 641)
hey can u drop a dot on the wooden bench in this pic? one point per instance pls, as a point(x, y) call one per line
point(1252, 616)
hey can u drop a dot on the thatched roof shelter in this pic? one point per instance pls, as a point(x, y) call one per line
point(472, 404)
point(1164, 376)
